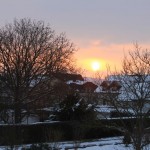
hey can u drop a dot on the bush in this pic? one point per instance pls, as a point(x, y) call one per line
point(57, 131)
point(75, 108)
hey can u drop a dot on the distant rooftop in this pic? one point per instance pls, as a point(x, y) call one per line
point(67, 77)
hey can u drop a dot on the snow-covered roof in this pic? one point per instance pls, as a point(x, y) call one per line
point(104, 108)
point(98, 89)
point(79, 82)
point(133, 87)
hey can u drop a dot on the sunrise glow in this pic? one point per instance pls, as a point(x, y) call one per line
point(95, 66)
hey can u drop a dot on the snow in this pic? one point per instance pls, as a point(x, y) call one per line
point(30, 119)
point(77, 82)
point(98, 89)
point(104, 108)
point(105, 147)
point(50, 109)
point(112, 143)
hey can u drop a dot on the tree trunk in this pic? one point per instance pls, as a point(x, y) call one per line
point(17, 111)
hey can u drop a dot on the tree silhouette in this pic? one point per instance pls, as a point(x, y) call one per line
point(30, 52)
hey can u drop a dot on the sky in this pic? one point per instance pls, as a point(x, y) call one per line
point(102, 30)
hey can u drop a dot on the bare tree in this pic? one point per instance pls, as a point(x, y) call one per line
point(29, 53)
point(133, 100)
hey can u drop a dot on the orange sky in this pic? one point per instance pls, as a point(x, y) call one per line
point(103, 30)
point(105, 54)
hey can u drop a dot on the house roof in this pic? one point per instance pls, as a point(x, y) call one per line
point(90, 85)
point(132, 87)
point(67, 77)
point(111, 85)
point(85, 87)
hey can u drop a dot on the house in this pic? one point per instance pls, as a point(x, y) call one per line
point(65, 77)
point(128, 90)
point(46, 92)
point(59, 85)
point(87, 87)
point(108, 89)
point(110, 85)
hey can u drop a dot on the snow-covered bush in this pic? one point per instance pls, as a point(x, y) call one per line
point(73, 107)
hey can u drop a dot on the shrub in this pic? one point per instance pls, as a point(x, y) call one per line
point(75, 108)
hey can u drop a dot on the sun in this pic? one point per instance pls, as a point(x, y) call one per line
point(95, 65)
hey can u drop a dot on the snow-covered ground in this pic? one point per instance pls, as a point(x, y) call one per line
point(113, 143)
